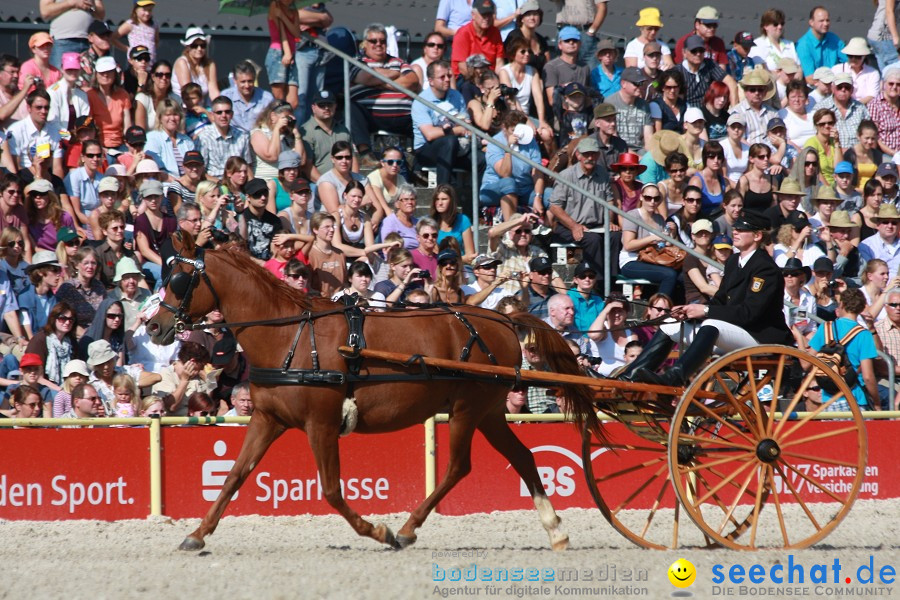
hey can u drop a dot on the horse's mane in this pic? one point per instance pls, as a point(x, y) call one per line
point(260, 277)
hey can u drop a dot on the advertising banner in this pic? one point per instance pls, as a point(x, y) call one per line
point(379, 473)
point(494, 485)
point(56, 474)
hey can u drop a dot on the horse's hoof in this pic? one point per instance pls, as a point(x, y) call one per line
point(387, 536)
point(191, 544)
point(405, 541)
point(561, 543)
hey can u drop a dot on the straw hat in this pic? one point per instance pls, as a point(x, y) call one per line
point(841, 218)
point(857, 47)
point(663, 143)
point(827, 193)
point(790, 187)
point(887, 211)
point(649, 17)
point(759, 76)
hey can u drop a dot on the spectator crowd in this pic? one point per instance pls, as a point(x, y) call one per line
point(102, 161)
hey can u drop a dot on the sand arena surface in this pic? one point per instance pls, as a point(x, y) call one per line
point(321, 557)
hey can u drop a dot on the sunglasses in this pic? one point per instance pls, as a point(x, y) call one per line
point(75, 242)
point(765, 156)
point(651, 198)
point(65, 319)
point(342, 157)
point(824, 123)
point(588, 275)
point(198, 45)
point(697, 50)
point(93, 156)
point(113, 315)
point(811, 163)
point(293, 275)
point(391, 162)
point(894, 304)
point(793, 274)
point(447, 263)
point(223, 112)
point(163, 75)
point(844, 86)
point(521, 231)
point(715, 157)
point(428, 236)
point(19, 243)
point(377, 41)
point(693, 200)
point(434, 45)
point(681, 170)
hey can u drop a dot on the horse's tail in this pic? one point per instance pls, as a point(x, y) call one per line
point(559, 359)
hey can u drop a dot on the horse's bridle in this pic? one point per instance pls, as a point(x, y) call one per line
point(182, 285)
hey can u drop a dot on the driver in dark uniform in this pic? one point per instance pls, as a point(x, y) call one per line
point(745, 312)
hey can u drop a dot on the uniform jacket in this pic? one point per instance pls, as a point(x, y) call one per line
point(751, 297)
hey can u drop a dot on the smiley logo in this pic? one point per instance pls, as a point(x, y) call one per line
point(682, 573)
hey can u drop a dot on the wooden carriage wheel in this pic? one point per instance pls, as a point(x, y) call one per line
point(630, 481)
point(730, 458)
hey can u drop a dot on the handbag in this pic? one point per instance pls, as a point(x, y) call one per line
point(667, 256)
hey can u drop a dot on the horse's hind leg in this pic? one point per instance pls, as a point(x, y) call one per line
point(324, 443)
point(497, 432)
point(261, 432)
point(460, 464)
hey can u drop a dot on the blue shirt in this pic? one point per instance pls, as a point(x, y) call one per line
point(159, 148)
point(452, 103)
point(860, 348)
point(585, 310)
point(521, 171)
point(245, 113)
point(601, 81)
point(36, 306)
point(78, 184)
point(455, 13)
point(655, 172)
point(815, 53)
point(461, 223)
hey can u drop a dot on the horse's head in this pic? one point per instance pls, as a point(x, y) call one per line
point(187, 294)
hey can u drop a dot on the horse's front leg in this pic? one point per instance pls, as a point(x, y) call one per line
point(261, 432)
point(323, 439)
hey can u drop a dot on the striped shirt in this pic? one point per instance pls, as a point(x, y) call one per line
point(757, 121)
point(216, 149)
point(380, 101)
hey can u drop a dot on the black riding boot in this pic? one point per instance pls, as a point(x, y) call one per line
point(651, 358)
point(691, 361)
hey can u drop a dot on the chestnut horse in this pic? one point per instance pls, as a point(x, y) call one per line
point(245, 292)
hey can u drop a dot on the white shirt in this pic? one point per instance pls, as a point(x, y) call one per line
point(735, 166)
point(798, 130)
point(59, 104)
point(764, 49)
point(24, 140)
point(635, 49)
point(497, 294)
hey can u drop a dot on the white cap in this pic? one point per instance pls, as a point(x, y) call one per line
point(693, 114)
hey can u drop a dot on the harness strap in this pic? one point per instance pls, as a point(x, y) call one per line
point(473, 339)
point(290, 355)
point(312, 345)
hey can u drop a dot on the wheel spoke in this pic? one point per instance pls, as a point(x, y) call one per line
point(811, 481)
point(666, 484)
point(733, 484)
point(775, 393)
point(777, 502)
point(754, 394)
point(723, 483)
point(785, 416)
point(718, 501)
point(713, 415)
point(630, 469)
point(716, 463)
point(822, 407)
point(757, 503)
point(822, 459)
point(819, 436)
point(629, 447)
point(737, 499)
point(796, 494)
point(642, 487)
point(719, 442)
point(737, 405)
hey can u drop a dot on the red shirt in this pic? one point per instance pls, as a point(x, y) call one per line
point(715, 49)
point(466, 43)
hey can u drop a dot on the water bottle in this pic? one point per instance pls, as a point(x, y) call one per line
point(579, 126)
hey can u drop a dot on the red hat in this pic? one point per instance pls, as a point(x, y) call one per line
point(31, 359)
point(629, 159)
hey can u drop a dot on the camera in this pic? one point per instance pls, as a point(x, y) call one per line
point(218, 236)
point(38, 82)
point(291, 122)
point(506, 90)
point(515, 274)
point(424, 273)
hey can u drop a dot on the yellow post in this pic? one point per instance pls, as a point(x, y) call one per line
point(430, 458)
point(155, 467)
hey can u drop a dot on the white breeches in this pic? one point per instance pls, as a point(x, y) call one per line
point(731, 337)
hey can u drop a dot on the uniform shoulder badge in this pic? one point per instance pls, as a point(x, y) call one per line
point(757, 284)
